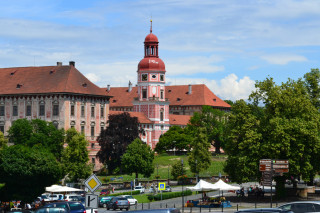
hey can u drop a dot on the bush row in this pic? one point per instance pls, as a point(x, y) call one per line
point(168, 195)
point(123, 193)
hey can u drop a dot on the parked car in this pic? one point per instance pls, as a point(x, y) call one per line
point(56, 197)
point(91, 210)
point(72, 197)
point(169, 210)
point(131, 199)
point(168, 189)
point(51, 210)
point(302, 206)
point(264, 210)
point(44, 197)
point(70, 206)
point(139, 188)
point(118, 203)
point(104, 192)
point(103, 202)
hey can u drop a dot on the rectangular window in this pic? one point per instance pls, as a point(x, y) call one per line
point(28, 110)
point(93, 160)
point(2, 111)
point(92, 131)
point(144, 77)
point(2, 129)
point(82, 111)
point(161, 116)
point(55, 110)
point(161, 94)
point(92, 112)
point(92, 145)
point(102, 112)
point(144, 93)
point(161, 77)
point(41, 109)
point(72, 110)
point(15, 110)
point(82, 129)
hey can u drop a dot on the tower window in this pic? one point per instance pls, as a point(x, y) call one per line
point(144, 77)
point(161, 115)
point(92, 131)
point(92, 112)
point(82, 111)
point(144, 93)
point(161, 94)
point(102, 112)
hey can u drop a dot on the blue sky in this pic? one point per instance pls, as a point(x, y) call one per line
point(226, 44)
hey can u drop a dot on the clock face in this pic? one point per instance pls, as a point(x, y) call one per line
point(154, 76)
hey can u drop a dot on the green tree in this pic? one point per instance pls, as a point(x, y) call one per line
point(37, 133)
point(75, 156)
point(214, 121)
point(175, 138)
point(312, 82)
point(3, 141)
point(138, 159)
point(243, 144)
point(177, 170)
point(285, 127)
point(26, 172)
point(114, 140)
point(199, 156)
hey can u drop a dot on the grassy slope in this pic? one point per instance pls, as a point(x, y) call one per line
point(164, 162)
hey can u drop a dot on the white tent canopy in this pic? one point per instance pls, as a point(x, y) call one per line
point(57, 188)
point(206, 186)
point(202, 186)
point(224, 186)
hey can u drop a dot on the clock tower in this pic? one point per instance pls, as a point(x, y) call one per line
point(151, 98)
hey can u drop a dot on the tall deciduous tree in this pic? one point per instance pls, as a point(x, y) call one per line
point(213, 120)
point(138, 159)
point(114, 140)
point(175, 138)
point(312, 82)
point(37, 133)
point(199, 156)
point(75, 156)
point(287, 127)
point(26, 172)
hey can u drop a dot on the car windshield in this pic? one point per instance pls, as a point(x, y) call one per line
point(138, 187)
point(122, 198)
point(129, 196)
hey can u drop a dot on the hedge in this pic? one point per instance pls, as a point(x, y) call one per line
point(123, 193)
point(168, 195)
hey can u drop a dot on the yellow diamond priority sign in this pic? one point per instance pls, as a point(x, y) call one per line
point(92, 183)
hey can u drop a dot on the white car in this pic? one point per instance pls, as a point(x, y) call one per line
point(139, 188)
point(131, 199)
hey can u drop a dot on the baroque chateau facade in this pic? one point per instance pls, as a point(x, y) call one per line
point(62, 95)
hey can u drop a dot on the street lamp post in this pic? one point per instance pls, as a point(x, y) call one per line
point(182, 187)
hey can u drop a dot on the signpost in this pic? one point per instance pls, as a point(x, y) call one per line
point(161, 187)
point(92, 183)
point(270, 167)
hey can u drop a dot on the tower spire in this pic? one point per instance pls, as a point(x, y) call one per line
point(151, 25)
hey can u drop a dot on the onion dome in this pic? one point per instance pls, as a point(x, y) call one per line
point(151, 64)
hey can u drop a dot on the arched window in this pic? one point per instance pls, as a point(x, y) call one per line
point(161, 114)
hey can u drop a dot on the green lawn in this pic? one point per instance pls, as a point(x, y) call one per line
point(163, 165)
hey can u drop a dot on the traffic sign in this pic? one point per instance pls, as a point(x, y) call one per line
point(92, 200)
point(265, 161)
point(92, 183)
point(281, 170)
point(280, 162)
point(264, 167)
point(162, 186)
point(280, 166)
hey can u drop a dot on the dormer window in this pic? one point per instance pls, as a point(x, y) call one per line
point(214, 100)
point(19, 86)
point(84, 85)
point(178, 99)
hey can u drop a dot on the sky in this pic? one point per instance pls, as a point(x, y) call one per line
point(226, 44)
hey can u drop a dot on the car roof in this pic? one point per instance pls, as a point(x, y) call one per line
point(309, 201)
point(168, 210)
point(262, 210)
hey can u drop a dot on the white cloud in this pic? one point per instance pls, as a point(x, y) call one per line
point(283, 59)
point(92, 77)
point(228, 88)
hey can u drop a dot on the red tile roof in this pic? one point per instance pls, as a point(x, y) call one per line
point(47, 79)
point(179, 119)
point(142, 118)
point(177, 95)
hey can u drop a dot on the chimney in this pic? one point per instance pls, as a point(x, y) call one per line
point(130, 86)
point(72, 63)
point(59, 63)
point(190, 89)
point(108, 87)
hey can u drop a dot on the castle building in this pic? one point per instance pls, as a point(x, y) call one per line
point(156, 105)
point(58, 94)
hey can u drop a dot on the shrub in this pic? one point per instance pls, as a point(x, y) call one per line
point(170, 195)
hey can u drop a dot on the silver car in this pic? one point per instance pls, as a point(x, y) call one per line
point(302, 206)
